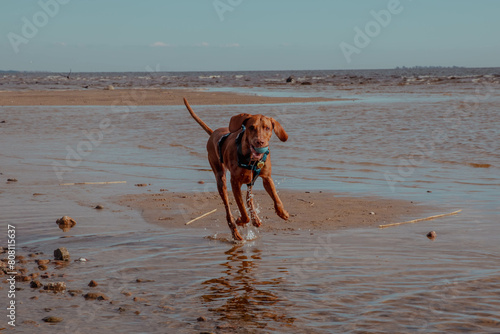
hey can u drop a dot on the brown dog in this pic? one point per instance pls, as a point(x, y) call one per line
point(242, 148)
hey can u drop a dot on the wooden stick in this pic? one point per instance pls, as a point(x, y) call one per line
point(203, 215)
point(79, 183)
point(421, 219)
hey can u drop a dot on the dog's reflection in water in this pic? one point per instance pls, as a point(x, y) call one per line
point(241, 298)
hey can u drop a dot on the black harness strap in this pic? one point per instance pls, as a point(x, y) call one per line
point(244, 161)
point(220, 143)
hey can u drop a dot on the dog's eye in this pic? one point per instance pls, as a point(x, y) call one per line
point(252, 127)
point(267, 128)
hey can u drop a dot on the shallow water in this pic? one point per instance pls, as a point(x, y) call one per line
point(420, 145)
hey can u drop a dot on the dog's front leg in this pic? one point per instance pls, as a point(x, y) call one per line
point(253, 214)
point(221, 186)
point(271, 190)
point(236, 185)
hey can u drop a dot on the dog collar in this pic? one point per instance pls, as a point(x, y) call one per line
point(245, 162)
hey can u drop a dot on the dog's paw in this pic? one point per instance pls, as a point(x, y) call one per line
point(242, 221)
point(256, 222)
point(282, 213)
point(236, 235)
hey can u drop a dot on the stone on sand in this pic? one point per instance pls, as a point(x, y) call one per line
point(61, 254)
point(65, 223)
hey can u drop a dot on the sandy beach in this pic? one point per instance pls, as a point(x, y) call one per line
point(349, 166)
point(316, 212)
point(138, 97)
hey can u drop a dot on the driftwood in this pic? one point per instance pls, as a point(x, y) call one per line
point(80, 183)
point(420, 219)
point(203, 215)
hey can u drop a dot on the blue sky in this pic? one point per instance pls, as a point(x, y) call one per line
point(212, 35)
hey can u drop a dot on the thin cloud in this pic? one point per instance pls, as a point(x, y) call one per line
point(232, 45)
point(159, 45)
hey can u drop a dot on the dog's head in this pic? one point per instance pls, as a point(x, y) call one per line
point(259, 129)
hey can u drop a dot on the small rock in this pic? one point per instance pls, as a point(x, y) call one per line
point(226, 326)
point(141, 185)
point(3, 122)
point(42, 262)
point(61, 254)
point(109, 87)
point(290, 79)
point(60, 263)
point(93, 284)
point(140, 280)
point(372, 213)
point(201, 319)
point(201, 182)
point(432, 235)
point(56, 287)
point(429, 191)
point(140, 300)
point(52, 319)
point(42, 267)
point(95, 296)
point(306, 83)
point(74, 292)
point(66, 223)
point(99, 207)
point(11, 180)
point(35, 284)
point(82, 259)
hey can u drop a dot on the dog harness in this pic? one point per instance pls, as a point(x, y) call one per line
point(244, 161)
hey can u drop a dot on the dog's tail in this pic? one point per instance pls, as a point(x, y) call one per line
point(197, 119)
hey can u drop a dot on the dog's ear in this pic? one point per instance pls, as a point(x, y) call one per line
point(279, 131)
point(237, 121)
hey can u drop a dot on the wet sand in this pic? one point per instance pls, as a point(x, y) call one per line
point(138, 97)
point(329, 269)
point(311, 211)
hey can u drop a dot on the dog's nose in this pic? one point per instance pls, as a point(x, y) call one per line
point(259, 143)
